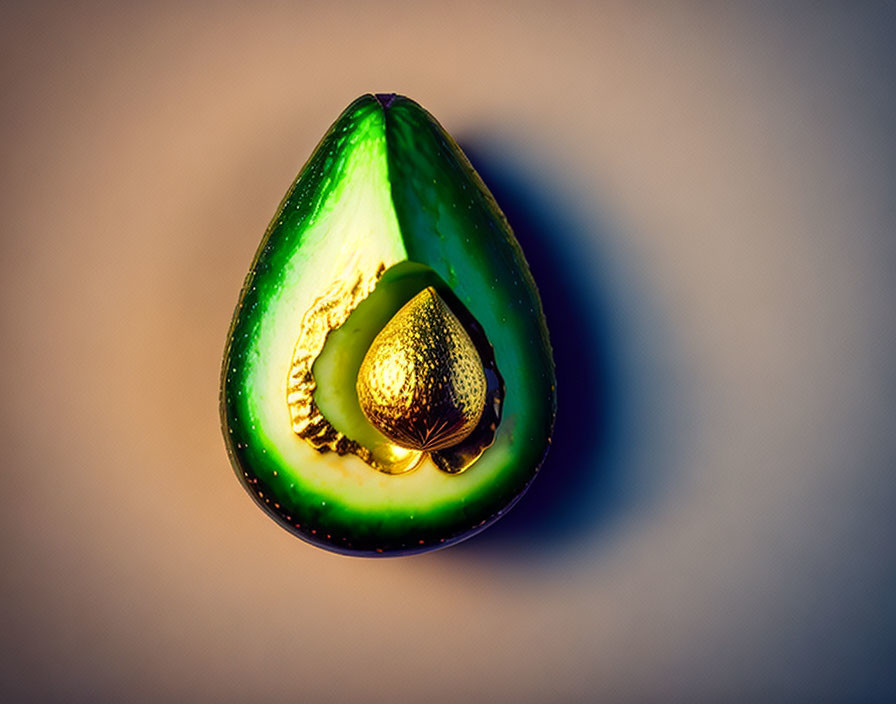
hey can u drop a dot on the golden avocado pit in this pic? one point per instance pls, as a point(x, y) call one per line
point(422, 383)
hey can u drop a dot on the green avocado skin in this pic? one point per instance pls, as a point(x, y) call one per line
point(448, 221)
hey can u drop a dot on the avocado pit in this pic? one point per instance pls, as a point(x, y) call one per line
point(421, 383)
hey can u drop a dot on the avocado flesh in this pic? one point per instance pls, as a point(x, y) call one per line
point(384, 187)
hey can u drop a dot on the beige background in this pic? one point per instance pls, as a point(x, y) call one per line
point(710, 194)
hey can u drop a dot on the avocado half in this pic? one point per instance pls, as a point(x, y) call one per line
point(386, 208)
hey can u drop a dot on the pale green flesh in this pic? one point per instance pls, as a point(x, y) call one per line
point(354, 230)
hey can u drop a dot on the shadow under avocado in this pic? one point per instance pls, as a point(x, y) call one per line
point(577, 488)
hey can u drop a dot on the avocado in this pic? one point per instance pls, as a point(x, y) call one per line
point(388, 382)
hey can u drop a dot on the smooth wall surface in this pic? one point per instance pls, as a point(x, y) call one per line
point(705, 195)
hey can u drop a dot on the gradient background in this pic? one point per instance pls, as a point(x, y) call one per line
point(706, 196)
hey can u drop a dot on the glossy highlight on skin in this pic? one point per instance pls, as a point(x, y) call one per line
point(386, 188)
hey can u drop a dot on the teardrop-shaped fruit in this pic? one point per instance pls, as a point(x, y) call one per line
point(388, 383)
